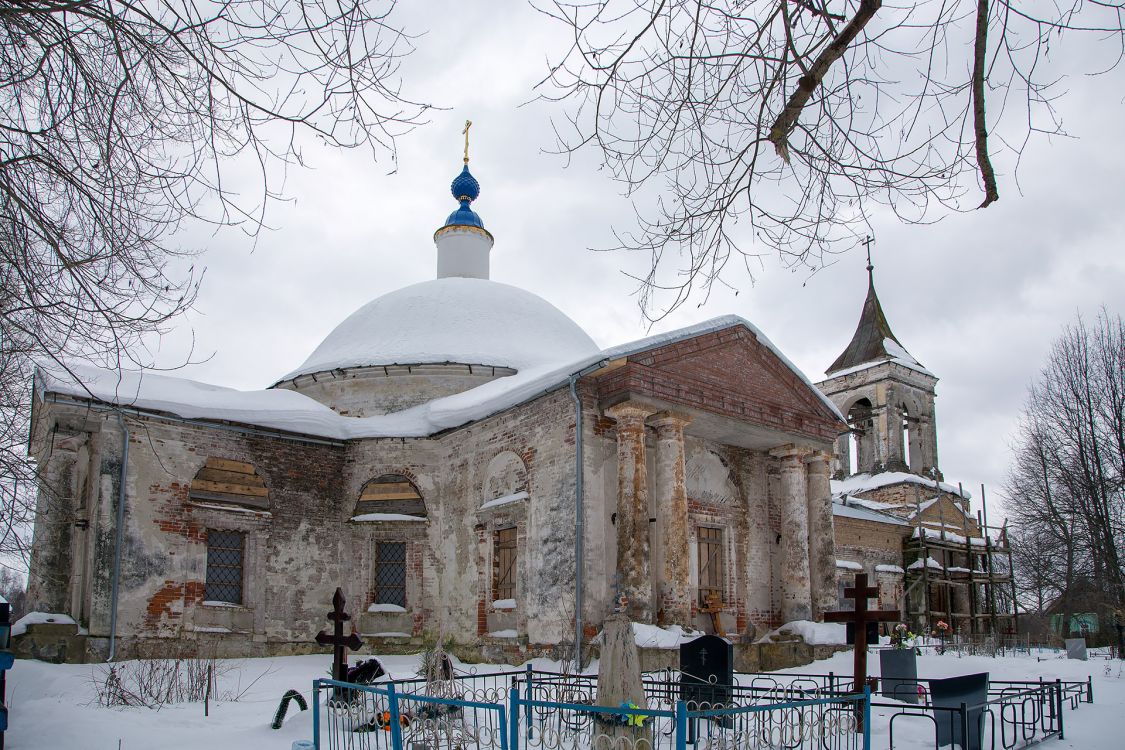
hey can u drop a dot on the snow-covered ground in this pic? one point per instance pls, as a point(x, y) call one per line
point(54, 706)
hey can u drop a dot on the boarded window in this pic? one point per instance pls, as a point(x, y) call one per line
point(390, 493)
point(390, 573)
point(712, 564)
point(843, 601)
point(224, 566)
point(229, 482)
point(504, 564)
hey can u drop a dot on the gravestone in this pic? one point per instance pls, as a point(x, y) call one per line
point(1076, 648)
point(898, 671)
point(970, 689)
point(707, 671)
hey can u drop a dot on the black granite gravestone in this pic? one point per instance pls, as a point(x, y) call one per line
point(969, 689)
point(706, 671)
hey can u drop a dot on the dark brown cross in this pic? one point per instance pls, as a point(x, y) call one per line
point(337, 640)
point(714, 607)
point(860, 593)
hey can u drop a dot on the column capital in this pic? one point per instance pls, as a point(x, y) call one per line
point(669, 419)
point(819, 457)
point(629, 411)
point(791, 451)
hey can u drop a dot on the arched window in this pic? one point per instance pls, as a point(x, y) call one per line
point(225, 482)
point(862, 438)
point(388, 496)
point(505, 481)
point(906, 436)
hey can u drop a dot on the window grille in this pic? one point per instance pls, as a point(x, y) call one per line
point(390, 573)
point(504, 564)
point(712, 564)
point(224, 566)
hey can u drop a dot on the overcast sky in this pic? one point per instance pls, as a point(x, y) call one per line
point(976, 298)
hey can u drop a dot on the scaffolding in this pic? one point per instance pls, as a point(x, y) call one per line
point(960, 573)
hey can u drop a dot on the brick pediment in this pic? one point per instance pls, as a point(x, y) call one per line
point(729, 373)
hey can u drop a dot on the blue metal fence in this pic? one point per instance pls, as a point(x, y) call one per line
point(549, 715)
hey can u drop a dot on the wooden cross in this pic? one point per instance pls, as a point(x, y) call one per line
point(860, 593)
point(337, 640)
point(714, 607)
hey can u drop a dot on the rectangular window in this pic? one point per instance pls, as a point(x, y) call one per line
point(712, 565)
point(224, 566)
point(390, 573)
point(504, 564)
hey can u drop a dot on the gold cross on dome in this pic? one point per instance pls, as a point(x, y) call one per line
point(465, 132)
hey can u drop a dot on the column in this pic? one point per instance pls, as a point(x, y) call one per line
point(674, 565)
point(822, 537)
point(796, 597)
point(633, 578)
point(759, 543)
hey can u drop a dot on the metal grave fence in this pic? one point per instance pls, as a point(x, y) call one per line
point(557, 712)
point(1013, 716)
point(379, 717)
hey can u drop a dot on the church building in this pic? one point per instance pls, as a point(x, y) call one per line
point(894, 516)
point(464, 462)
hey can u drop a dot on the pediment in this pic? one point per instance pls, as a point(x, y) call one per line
point(729, 373)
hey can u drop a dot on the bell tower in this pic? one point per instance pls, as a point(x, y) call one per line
point(887, 397)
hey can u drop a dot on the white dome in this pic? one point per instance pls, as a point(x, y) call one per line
point(462, 320)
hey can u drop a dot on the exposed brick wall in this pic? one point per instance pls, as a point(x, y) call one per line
point(729, 373)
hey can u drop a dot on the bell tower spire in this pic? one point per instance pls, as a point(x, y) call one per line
point(887, 396)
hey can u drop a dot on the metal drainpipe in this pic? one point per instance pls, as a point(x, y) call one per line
point(119, 533)
point(579, 510)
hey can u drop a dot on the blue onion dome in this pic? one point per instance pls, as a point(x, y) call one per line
point(465, 189)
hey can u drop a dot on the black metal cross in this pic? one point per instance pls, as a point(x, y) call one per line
point(337, 640)
point(860, 593)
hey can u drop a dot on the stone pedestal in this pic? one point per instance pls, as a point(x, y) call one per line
point(672, 518)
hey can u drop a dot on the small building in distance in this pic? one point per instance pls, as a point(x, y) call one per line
point(894, 516)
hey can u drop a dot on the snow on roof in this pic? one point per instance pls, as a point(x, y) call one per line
point(470, 321)
point(846, 510)
point(869, 504)
point(290, 411)
point(857, 483)
point(848, 565)
point(929, 562)
point(929, 504)
point(950, 536)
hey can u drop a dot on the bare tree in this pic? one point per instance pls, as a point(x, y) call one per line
point(798, 114)
point(119, 121)
point(1066, 488)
